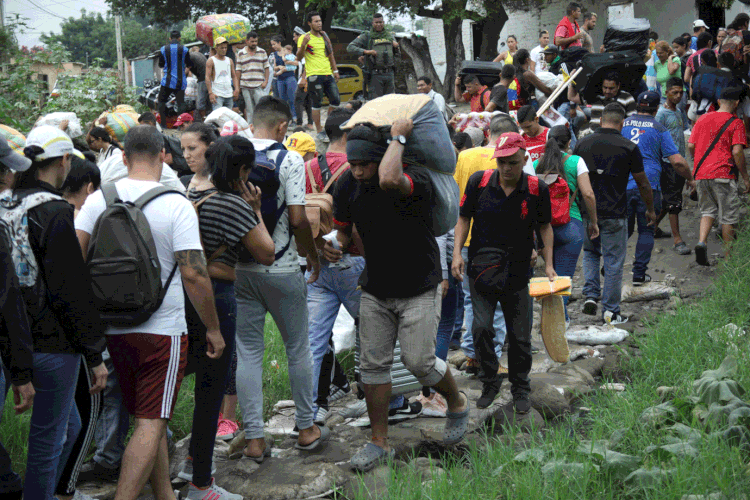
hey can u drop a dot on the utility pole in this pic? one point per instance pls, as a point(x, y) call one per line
point(2, 14)
point(118, 40)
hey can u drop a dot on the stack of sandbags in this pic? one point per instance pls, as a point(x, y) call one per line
point(120, 120)
point(233, 27)
point(428, 147)
point(222, 115)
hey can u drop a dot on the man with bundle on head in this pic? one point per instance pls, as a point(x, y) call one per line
point(389, 202)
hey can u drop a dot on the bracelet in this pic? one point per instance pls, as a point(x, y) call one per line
point(336, 71)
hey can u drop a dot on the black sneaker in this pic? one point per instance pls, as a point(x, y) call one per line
point(521, 405)
point(93, 471)
point(590, 307)
point(406, 412)
point(489, 394)
point(701, 254)
point(642, 280)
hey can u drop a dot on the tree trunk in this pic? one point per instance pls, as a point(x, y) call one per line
point(286, 17)
point(416, 48)
point(327, 15)
point(454, 53)
point(492, 25)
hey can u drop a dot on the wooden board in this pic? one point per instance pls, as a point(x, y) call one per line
point(553, 328)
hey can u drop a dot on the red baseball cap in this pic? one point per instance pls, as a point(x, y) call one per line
point(508, 144)
point(183, 119)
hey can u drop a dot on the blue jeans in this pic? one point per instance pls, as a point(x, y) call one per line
point(211, 377)
point(611, 244)
point(323, 85)
point(467, 344)
point(223, 102)
point(112, 429)
point(55, 422)
point(334, 287)
point(285, 90)
point(447, 319)
point(645, 243)
point(567, 248)
point(575, 124)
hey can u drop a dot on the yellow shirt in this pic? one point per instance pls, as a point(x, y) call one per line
point(469, 162)
point(316, 60)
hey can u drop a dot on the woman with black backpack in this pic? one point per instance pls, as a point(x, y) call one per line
point(68, 336)
point(566, 175)
point(229, 217)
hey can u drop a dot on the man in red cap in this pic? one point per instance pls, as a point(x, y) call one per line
point(506, 206)
point(183, 121)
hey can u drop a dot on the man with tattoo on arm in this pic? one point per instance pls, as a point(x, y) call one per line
point(150, 358)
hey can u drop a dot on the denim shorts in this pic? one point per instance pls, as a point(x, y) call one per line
point(323, 85)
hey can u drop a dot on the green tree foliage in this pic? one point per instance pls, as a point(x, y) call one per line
point(92, 36)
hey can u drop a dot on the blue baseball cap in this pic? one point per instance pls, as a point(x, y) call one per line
point(649, 99)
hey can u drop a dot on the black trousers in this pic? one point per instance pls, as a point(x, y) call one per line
point(517, 311)
point(164, 94)
point(331, 371)
point(382, 84)
point(303, 101)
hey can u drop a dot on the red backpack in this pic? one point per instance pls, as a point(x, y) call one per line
point(734, 43)
point(559, 195)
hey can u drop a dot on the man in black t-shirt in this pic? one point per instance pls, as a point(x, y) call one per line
point(391, 206)
point(506, 206)
point(199, 70)
point(611, 159)
point(499, 94)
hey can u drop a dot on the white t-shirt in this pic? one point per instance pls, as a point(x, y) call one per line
point(292, 192)
point(174, 226)
point(113, 169)
point(538, 58)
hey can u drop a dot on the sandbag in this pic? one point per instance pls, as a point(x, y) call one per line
point(596, 335)
point(429, 147)
point(54, 119)
point(629, 65)
point(628, 34)
point(550, 80)
point(650, 291)
point(120, 120)
point(222, 115)
point(233, 27)
point(16, 140)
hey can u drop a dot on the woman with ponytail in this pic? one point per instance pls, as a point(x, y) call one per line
point(68, 336)
point(568, 237)
point(230, 221)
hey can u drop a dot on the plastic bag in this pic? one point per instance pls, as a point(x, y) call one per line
point(650, 291)
point(233, 27)
point(628, 34)
point(343, 331)
point(550, 80)
point(429, 147)
point(222, 115)
point(596, 335)
point(479, 120)
point(54, 119)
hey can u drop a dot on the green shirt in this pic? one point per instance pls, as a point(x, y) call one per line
point(570, 166)
point(662, 72)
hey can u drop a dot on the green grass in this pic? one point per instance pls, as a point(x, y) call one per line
point(14, 429)
point(674, 351)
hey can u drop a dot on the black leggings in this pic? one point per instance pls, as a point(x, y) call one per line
point(330, 372)
point(90, 408)
point(211, 377)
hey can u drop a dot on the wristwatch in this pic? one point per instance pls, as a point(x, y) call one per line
point(399, 138)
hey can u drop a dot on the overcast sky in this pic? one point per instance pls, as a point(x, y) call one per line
point(43, 16)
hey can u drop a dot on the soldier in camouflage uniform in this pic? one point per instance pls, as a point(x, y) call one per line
point(380, 50)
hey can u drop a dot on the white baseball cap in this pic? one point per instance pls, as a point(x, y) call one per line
point(53, 141)
point(698, 23)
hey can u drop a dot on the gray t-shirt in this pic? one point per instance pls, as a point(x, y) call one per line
point(675, 122)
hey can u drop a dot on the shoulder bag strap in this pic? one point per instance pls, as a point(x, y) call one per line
point(152, 194)
point(311, 176)
point(223, 248)
point(203, 200)
point(110, 193)
point(343, 168)
point(713, 144)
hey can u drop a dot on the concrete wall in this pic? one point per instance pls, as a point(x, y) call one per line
point(51, 71)
point(433, 31)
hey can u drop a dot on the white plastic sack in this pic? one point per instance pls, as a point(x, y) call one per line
point(54, 119)
point(222, 115)
point(343, 331)
point(655, 290)
point(550, 80)
point(597, 335)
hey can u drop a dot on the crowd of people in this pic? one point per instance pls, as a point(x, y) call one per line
point(126, 269)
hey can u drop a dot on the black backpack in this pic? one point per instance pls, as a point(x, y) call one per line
point(266, 177)
point(122, 259)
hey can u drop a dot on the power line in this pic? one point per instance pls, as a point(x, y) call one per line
point(46, 11)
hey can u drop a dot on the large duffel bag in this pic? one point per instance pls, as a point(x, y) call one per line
point(628, 65)
point(233, 27)
point(428, 147)
point(488, 72)
point(628, 34)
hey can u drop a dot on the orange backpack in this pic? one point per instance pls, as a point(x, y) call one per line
point(319, 206)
